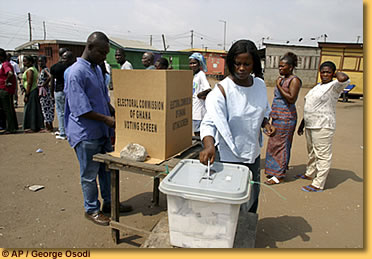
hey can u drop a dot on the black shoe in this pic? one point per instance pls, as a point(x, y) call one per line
point(98, 218)
point(106, 208)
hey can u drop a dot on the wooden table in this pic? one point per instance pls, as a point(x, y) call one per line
point(115, 164)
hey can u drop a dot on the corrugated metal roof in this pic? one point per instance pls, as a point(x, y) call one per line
point(341, 44)
point(289, 45)
point(133, 44)
point(34, 42)
point(208, 50)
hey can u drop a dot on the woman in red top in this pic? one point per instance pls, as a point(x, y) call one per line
point(7, 89)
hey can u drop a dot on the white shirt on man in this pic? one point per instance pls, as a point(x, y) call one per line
point(127, 65)
point(15, 67)
point(320, 105)
point(235, 122)
point(199, 84)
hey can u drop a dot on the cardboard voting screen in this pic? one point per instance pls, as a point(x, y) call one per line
point(153, 109)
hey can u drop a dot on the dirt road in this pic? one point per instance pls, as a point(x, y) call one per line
point(54, 216)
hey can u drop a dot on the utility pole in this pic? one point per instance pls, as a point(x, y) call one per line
point(44, 30)
point(224, 34)
point(192, 39)
point(325, 37)
point(150, 40)
point(262, 41)
point(358, 37)
point(165, 48)
point(29, 25)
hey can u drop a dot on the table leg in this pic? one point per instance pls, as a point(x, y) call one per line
point(115, 203)
point(155, 191)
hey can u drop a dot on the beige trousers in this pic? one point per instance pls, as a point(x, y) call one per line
point(319, 149)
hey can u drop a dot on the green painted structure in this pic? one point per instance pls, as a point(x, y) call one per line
point(180, 59)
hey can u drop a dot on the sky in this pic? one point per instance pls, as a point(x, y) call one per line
point(271, 21)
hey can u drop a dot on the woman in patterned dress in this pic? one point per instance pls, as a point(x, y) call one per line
point(284, 119)
point(46, 99)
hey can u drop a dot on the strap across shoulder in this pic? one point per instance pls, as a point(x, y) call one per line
point(222, 90)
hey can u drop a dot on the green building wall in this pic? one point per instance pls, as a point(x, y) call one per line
point(180, 60)
point(134, 57)
point(110, 58)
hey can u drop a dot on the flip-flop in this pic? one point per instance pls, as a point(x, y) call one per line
point(302, 176)
point(274, 180)
point(310, 188)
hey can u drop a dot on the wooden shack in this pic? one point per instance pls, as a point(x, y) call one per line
point(348, 58)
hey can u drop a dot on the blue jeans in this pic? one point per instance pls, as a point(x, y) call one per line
point(89, 170)
point(60, 108)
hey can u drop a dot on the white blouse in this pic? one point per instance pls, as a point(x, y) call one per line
point(200, 84)
point(320, 105)
point(235, 122)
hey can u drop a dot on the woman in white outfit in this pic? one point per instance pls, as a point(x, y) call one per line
point(200, 89)
point(237, 110)
point(320, 124)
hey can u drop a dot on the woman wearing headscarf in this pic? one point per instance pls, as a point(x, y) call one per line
point(33, 119)
point(200, 89)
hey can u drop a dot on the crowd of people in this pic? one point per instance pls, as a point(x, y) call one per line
point(237, 112)
point(230, 118)
point(41, 90)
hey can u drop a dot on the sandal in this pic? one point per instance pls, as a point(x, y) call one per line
point(311, 188)
point(274, 180)
point(303, 176)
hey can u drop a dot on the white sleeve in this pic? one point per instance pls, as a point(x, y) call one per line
point(216, 119)
point(268, 106)
point(207, 127)
point(340, 86)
